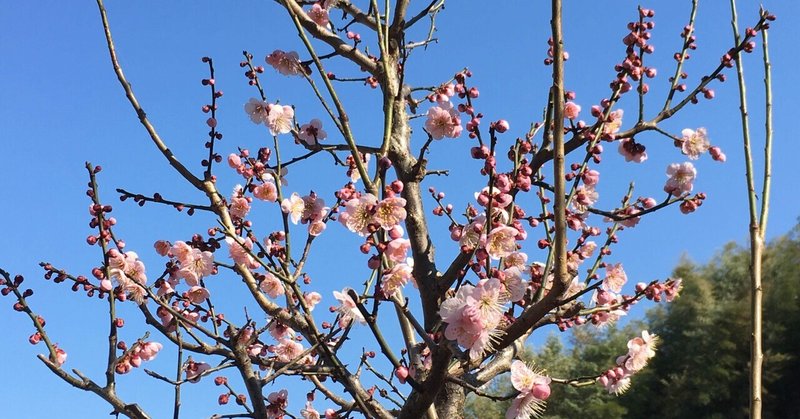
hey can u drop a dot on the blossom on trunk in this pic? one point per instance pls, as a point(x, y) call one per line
point(534, 389)
point(443, 121)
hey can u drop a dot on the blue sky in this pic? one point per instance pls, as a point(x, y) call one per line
point(62, 105)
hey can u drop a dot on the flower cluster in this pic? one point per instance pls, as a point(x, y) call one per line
point(142, 351)
point(128, 270)
point(365, 214)
point(534, 389)
point(640, 349)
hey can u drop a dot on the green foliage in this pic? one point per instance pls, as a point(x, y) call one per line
point(701, 366)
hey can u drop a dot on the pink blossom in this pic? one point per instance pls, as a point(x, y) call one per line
point(632, 151)
point(314, 209)
point(501, 242)
point(640, 350)
point(585, 196)
point(390, 212)
point(473, 315)
point(571, 110)
point(680, 179)
point(615, 278)
point(694, 143)
point(196, 265)
point(309, 412)
point(195, 370)
point(472, 235)
point(147, 350)
point(287, 63)
point(316, 228)
point(717, 154)
point(279, 330)
point(272, 286)
point(518, 259)
point(312, 299)
point(240, 253)
point(514, 284)
point(319, 15)
point(347, 309)
point(534, 389)
point(280, 119)
point(294, 206)
point(614, 122)
point(197, 294)
point(443, 121)
point(234, 161)
point(240, 206)
point(397, 249)
point(287, 350)
point(162, 247)
point(278, 401)
point(267, 191)
point(357, 215)
point(61, 356)
point(129, 272)
point(312, 132)
point(257, 110)
point(591, 177)
point(395, 279)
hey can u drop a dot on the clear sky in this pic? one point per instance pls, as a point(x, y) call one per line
point(61, 105)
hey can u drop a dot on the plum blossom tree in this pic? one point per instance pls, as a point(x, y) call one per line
point(470, 315)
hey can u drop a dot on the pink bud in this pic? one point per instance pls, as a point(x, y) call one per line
point(501, 126)
point(401, 373)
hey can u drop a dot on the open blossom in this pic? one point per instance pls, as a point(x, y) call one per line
point(195, 264)
point(287, 350)
point(571, 110)
point(614, 122)
point(640, 350)
point(395, 279)
point(501, 242)
point(397, 249)
point(473, 315)
point(357, 215)
point(348, 310)
point(267, 191)
point(280, 119)
point(312, 132)
point(694, 143)
point(147, 350)
point(129, 272)
point(61, 356)
point(312, 299)
point(240, 206)
point(390, 212)
point(632, 151)
point(195, 370)
point(514, 284)
point(585, 196)
point(197, 294)
point(294, 206)
point(278, 401)
point(287, 63)
point(472, 235)
point(615, 278)
point(272, 286)
point(319, 15)
point(534, 389)
point(257, 110)
point(443, 121)
point(680, 179)
point(240, 253)
point(518, 259)
point(314, 209)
